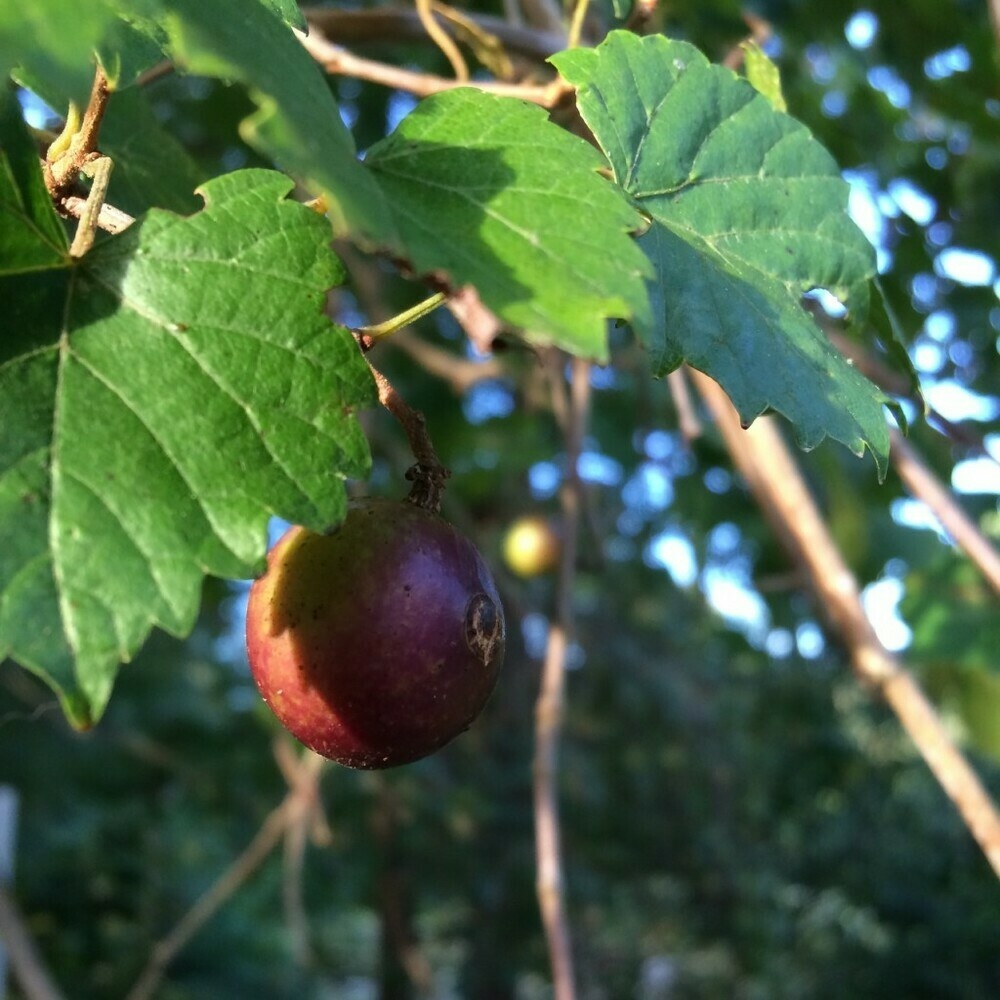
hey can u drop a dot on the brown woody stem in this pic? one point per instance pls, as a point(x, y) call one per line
point(761, 454)
point(428, 475)
point(69, 154)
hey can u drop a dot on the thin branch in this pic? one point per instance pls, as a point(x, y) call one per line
point(760, 32)
point(442, 39)
point(480, 324)
point(338, 61)
point(428, 475)
point(83, 239)
point(402, 24)
point(576, 23)
point(300, 799)
point(549, 707)
point(995, 20)
point(899, 385)
point(924, 485)
point(76, 146)
point(765, 461)
point(687, 418)
point(110, 219)
point(486, 47)
point(296, 835)
point(460, 373)
point(32, 976)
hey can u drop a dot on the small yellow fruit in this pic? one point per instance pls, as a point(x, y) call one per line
point(531, 546)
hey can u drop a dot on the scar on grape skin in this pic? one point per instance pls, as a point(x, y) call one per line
point(483, 627)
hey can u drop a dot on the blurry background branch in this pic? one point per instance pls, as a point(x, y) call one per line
point(301, 799)
point(762, 456)
point(550, 882)
point(23, 956)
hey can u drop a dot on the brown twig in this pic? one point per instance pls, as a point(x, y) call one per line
point(480, 323)
point(296, 835)
point(70, 153)
point(340, 62)
point(995, 20)
point(549, 707)
point(442, 39)
point(760, 32)
point(925, 486)
point(300, 799)
point(899, 385)
point(110, 219)
point(460, 373)
point(32, 976)
point(641, 14)
point(765, 461)
point(99, 169)
point(687, 418)
point(402, 24)
point(428, 475)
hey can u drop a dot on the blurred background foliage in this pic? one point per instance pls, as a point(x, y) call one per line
point(740, 818)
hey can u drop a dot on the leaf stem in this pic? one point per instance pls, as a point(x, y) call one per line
point(377, 331)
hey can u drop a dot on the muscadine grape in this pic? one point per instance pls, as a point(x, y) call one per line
point(380, 642)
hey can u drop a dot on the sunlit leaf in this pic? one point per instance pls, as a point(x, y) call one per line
point(159, 400)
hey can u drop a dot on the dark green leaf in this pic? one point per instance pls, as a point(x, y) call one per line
point(298, 124)
point(55, 41)
point(747, 212)
point(129, 49)
point(31, 235)
point(152, 169)
point(488, 192)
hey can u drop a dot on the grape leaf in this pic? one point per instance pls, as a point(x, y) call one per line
point(490, 193)
point(31, 235)
point(55, 41)
point(298, 124)
point(159, 400)
point(129, 49)
point(746, 213)
point(152, 168)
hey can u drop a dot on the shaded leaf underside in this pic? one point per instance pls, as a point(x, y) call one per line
point(488, 192)
point(746, 213)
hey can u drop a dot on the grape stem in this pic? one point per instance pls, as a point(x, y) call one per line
point(428, 475)
point(367, 336)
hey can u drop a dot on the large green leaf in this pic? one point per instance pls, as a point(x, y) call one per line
point(488, 192)
point(159, 400)
point(746, 213)
point(54, 40)
point(299, 123)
